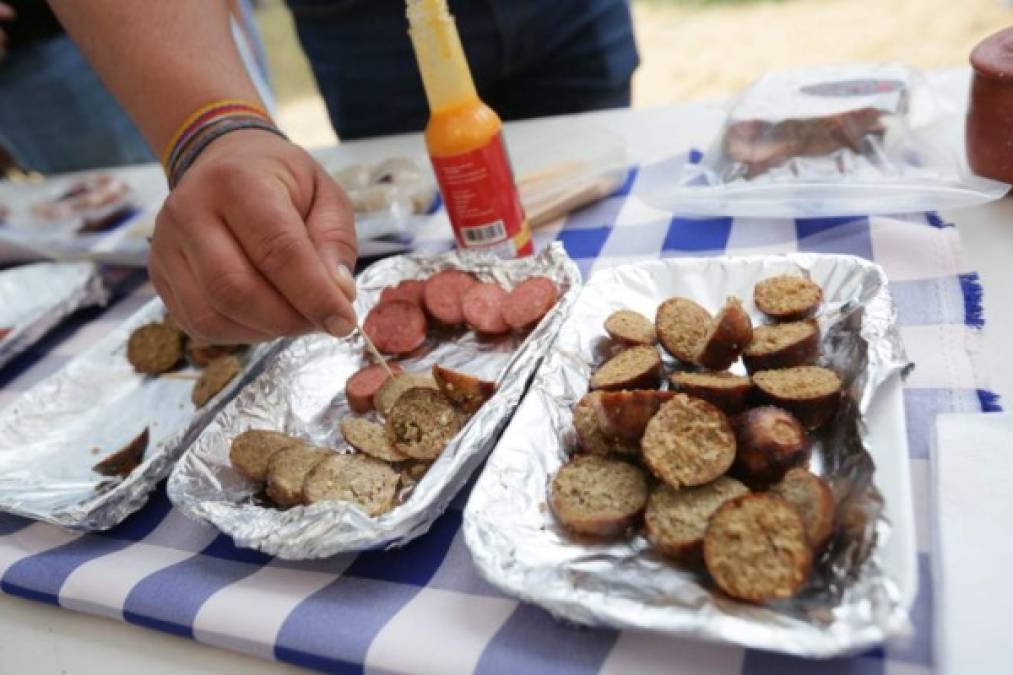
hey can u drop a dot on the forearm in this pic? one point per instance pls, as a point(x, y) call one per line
point(161, 59)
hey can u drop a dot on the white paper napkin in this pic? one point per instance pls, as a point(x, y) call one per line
point(973, 475)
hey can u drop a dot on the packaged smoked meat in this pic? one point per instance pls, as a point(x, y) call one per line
point(829, 141)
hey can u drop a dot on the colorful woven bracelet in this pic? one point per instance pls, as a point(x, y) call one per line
point(204, 125)
point(208, 134)
point(207, 113)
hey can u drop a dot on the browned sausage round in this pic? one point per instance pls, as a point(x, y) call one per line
point(362, 386)
point(529, 302)
point(769, 441)
point(410, 290)
point(396, 327)
point(482, 306)
point(442, 295)
point(623, 415)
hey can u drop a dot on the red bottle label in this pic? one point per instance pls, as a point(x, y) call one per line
point(482, 201)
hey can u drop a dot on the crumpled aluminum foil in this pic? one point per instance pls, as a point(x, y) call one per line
point(302, 393)
point(35, 298)
point(53, 434)
point(850, 601)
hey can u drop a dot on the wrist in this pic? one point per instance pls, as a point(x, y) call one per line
point(212, 137)
point(206, 125)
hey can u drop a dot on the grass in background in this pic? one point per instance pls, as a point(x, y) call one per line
point(291, 76)
point(695, 49)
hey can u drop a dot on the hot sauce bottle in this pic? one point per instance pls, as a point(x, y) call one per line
point(464, 139)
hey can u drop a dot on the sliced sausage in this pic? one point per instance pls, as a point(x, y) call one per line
point(726, 391)
point(688, 442)
point(422, 422)
point(391, 390)
point(529, 302)
point(813, 498)
point(755, 548)
point(727, 335)
point(396, 327)
point(363, 385)
point(410, 290)
point(810, 393)
point(634, 368)
point(623, 415)
point(629, 328)
point(783, 345)
point(598, 496)
point(768, 442)
point(682, 325)
point(482, 306)
point(787, 297)
point(442, 295)
point(464, 391)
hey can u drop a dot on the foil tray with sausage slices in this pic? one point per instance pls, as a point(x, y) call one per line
point(85, 447)
point(303, 393)
point(35, 298)
point(862, 584)
point(89, 215)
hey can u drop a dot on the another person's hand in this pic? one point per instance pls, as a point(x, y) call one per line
point(255, 242)
point(6, 14)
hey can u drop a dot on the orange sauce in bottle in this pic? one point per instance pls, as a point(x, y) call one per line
point(464, 139)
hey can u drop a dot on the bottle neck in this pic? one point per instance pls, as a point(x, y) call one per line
point(440, 55)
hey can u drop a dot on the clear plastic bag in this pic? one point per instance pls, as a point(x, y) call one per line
point(559, 174)
point(828, 141)
point(86, 216)
point(386, 197)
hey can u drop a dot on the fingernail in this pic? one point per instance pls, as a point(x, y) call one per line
point(343, 277)
point(338, 327)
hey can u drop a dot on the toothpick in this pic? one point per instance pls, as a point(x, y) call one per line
point(181, 376)
point(376, 352)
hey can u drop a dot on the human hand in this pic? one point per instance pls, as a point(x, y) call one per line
point(255, 242)
point(6, 14)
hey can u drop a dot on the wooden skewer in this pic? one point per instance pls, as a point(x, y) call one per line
point(193, 377)
point(376, 352)
point(580, 195)
point(553, 171)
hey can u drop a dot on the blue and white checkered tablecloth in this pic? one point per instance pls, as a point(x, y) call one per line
point(423, 608)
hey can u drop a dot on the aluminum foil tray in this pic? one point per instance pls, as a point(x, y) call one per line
point(27, 236)
point(302, 393)
point(862, 584)
point(35, 298)
point(53, 435)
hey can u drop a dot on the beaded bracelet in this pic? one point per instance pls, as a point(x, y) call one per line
point(207, 124)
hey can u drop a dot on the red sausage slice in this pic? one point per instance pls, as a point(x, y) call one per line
point(443, 293)
point(396, 327)
point(410, 290)
point(361, 386)
point(529, 302)
point(482, 306)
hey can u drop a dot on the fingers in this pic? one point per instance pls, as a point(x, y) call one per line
point(160, 280)
point(261, 216)
point(331, 226)
point(175, 282)
point(235, 288)
point(256, 241)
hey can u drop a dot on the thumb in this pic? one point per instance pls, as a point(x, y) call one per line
point(331, 226)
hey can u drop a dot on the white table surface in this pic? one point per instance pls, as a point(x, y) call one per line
point(37, 638)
